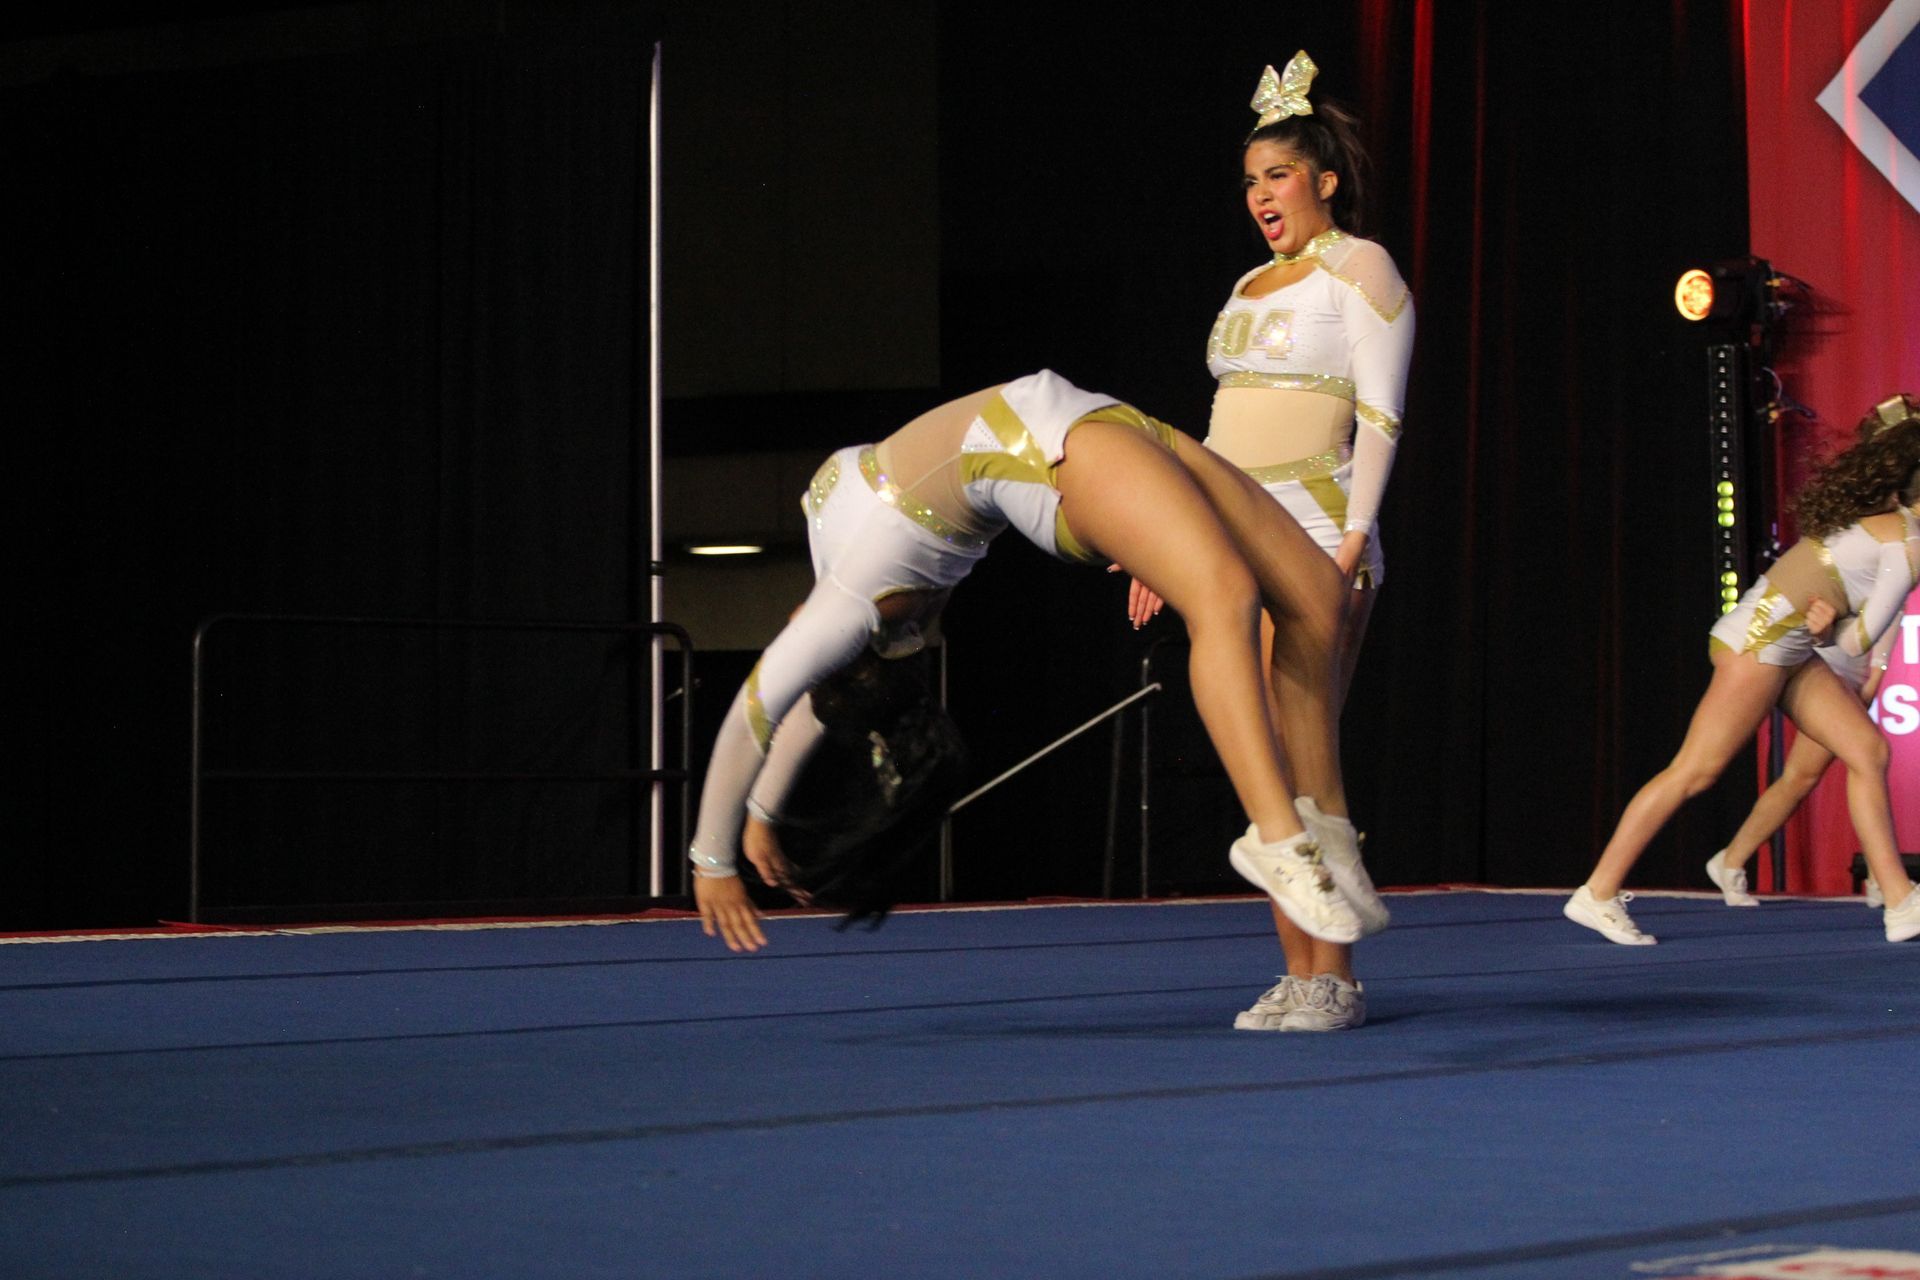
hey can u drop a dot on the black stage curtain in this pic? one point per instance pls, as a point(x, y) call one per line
point(357, 331)
point(341, 321)
point(1544, 175)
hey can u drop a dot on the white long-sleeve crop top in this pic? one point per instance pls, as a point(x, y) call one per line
point(1345, 329)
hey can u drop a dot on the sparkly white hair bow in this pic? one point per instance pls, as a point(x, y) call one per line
point(1285, 94)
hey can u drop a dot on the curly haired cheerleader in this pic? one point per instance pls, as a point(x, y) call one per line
point(1857, 559)
point(1807, 761)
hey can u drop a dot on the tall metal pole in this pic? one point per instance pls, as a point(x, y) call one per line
point(655, 593)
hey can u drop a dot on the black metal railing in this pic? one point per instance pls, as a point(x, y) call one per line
point(682, 775)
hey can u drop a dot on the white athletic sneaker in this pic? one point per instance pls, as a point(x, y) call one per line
point(1731, 881)
point(1340, 852)
point(1903, 921)
point(1875, 898)
point(1608, 918)
point(1290, 872)
point(1279, 1000)
point(1329, 1005)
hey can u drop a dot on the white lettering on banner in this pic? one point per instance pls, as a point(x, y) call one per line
point(1910, 639)
point(1820, 1264)
point(1897, 710)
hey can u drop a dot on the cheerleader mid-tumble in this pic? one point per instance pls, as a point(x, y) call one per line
point(895, 526)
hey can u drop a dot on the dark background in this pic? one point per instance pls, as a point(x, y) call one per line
point(350, 319)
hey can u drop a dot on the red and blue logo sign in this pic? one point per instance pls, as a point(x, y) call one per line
point(1875, 97)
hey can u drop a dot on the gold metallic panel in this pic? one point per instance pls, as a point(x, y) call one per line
point(1127, 416)
point(1388, 425)
point(1320, 464)
point(1833, 570)
point(1332, 498)
point(757, 712)
point(1067, 545)
point(1773, 617)
point(998, 466)
point(1012, 433)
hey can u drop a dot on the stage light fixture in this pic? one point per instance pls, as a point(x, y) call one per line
point(1740, 294)
point(725, 549)
point(1694, 295)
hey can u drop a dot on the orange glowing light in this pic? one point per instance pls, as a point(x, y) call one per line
point(1694, 294)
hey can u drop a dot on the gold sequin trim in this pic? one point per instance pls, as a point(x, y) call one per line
point(1312, 249)
point(912, 508)
point(821, 485)
point(1325, 384)
point(1320, 464)
point(1380, 419)
point(1389, 314)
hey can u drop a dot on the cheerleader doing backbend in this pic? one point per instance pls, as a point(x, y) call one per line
point(1311, 354)
point(1859, 557)
point(893, 527)
point(1807, 761)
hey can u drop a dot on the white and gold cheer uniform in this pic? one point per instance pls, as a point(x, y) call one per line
point(1344, 331)
point(913, 513)
point(1864, 579)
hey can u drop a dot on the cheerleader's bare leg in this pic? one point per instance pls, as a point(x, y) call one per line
point(1737, 700)
point(1110, 475)
point(1823, 708)
point(1306, 955)
point(1806, 763)
point(1310, 641)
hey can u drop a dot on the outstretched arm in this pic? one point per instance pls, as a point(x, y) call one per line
point(827, 632)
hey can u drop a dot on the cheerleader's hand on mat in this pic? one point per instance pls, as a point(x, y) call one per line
point(726, 909)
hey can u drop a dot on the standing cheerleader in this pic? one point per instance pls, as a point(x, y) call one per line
point(1311, 354)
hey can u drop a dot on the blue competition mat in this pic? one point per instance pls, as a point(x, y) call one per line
point(1050, 1091)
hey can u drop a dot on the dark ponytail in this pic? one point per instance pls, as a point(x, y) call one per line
point(869, 804)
